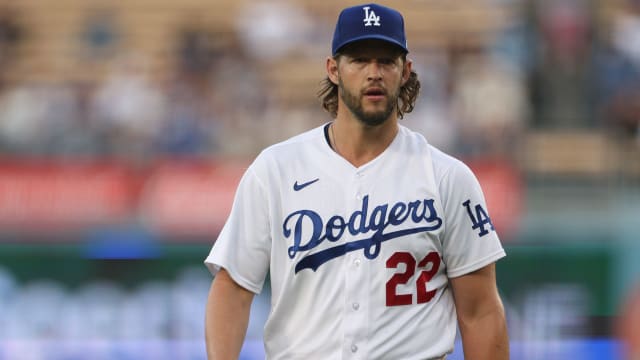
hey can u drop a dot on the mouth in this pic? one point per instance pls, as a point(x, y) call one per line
point(374, 94)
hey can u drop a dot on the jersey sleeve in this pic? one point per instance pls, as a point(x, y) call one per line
point(243, 247)
point(470, 240)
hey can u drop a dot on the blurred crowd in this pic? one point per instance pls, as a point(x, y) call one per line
point(569, 64)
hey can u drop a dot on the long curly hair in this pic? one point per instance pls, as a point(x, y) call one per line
point(328, 94)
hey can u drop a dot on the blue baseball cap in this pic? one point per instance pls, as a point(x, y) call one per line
point(369, 21)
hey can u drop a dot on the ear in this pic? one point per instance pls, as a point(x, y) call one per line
point(332, 69)
point(406, 71)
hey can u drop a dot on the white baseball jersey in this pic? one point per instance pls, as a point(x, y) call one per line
point(359, 258)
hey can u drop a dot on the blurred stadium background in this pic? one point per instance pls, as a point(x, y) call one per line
point(125, 126)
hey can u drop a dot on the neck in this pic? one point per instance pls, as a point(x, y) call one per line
point(359, 143)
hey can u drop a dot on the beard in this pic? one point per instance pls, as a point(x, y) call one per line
point(371, 118)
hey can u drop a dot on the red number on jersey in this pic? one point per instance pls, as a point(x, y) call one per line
point(421, 284)
point(423, 296)
point(393, 298)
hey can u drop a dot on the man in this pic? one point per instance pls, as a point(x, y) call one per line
point(373, 239)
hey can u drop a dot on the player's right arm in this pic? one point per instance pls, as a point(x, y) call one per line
point(226, 317)
point(239, 261)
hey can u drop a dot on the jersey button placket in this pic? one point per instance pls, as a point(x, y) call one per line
point(355, 321)
point(358, 181)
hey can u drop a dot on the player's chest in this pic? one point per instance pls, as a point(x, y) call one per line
point(323, 217)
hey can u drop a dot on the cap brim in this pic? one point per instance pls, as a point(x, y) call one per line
point(372, 37)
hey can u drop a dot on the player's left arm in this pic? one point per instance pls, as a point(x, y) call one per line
point(481, 316)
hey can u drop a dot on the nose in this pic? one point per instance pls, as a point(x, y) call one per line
point(374, 71)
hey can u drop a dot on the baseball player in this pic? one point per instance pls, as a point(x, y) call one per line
point(376, 243)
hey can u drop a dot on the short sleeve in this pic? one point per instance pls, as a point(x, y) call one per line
point(243, 247)
point(470, 240)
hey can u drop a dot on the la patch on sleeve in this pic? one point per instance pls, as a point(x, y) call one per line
point(479, 220)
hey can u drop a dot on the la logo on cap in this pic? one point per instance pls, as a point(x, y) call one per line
point(370, 16)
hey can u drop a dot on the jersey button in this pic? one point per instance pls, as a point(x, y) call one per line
point(354, 348)
point(355, 306)
point(358, 196)
point(356, 262)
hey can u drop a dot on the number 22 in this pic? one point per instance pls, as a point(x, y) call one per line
point(423, 296)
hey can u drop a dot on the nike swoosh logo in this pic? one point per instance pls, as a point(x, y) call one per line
point(298, 187)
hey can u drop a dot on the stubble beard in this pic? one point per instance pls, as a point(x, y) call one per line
point(354, 104)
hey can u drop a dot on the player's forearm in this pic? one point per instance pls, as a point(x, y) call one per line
point(485, 336)
point(226, 319)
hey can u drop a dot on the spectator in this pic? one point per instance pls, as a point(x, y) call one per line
point(191, 120)
point(128, 109)
point(490, 102)
point(561, 85)
point(617, 74)
point(242, 105)
point(22, 111)
point(11, 34)
point(100, 34)
point(432, 116)
point(274, 29)
point(197, 50)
